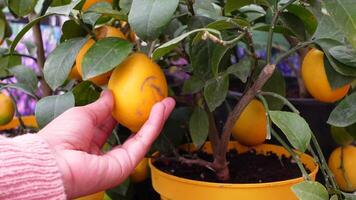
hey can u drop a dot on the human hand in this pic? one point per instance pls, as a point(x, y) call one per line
point(77, 136)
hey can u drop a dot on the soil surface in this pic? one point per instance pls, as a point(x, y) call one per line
point(247, 167)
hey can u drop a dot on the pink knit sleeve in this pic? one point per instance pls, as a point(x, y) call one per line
point(28, 170)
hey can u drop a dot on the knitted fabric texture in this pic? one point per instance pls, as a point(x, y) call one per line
point(28, 170)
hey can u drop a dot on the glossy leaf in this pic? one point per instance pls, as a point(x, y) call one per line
point(72, 29)
point(20, 86)
point(26, 76)
point(215, 91)
point(193, 85)
point(232, 5)
point(104, 56)
point(341, 136)
point(22, 7)
point(344, 15)
point(309, 20)
point(327, 29)
point(170, 45)
point(294, 127)
point(199, 127)
point(241, 70)
point(85, 93)
point(352, 130)
point(335, 79)
point(149, 17)
point(344, 114)
point(343, 69)
point(310, 190)
point(344, 54)
point(60, 62)
point(48, 108)
point(64, 9)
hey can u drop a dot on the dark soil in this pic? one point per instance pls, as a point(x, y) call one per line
point(247, 167)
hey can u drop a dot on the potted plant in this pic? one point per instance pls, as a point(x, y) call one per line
point(101, 40)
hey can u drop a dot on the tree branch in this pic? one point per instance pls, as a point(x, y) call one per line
point(46, 90)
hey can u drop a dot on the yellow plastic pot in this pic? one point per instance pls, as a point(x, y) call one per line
point(30, 121)
point(175, 188)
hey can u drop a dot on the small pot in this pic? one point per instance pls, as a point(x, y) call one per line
point(175, 188)
point(30, 121)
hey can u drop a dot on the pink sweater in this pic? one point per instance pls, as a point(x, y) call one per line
point(28, 170)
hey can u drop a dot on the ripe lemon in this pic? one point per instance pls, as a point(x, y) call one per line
point(347, 180)
point(137, 84)
point(7, 109)
point(251, 127)
point(141, 171)
point(316, 81)
point(102, 32)
point(89, 3)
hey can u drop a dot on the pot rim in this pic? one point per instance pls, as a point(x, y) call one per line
point(235, 185)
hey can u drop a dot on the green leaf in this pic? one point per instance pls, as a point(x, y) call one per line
point(241, 70)
point(8, 61)
point(149, 17)
point(63, 10)
point(199, 127)
point(327, 29)
point(344, 15)
point(60, 62)
point(352, 130)
point(310, 190)
point(22, 7)
point(85, 93)
point(121, 190)
point(327, 44)
point(341, 136)
point(26, 76)
point(309, 20)
point(170, 45)
point(294, 127)
point(344, 54)
point(277, 29)
point(294, 24)
point(104, 56)
point(105, 8)
point(215, 91)
point(72, 29)
point(60, 2)
point(24, 30)
point(48, 108)
point(232, 5)
point(344, 114)
point(20, 86)
point(193, 85)
point(207, 8)
point(217, 55)
point(335, 79)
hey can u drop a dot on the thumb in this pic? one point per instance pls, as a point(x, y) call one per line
point(101, 109)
